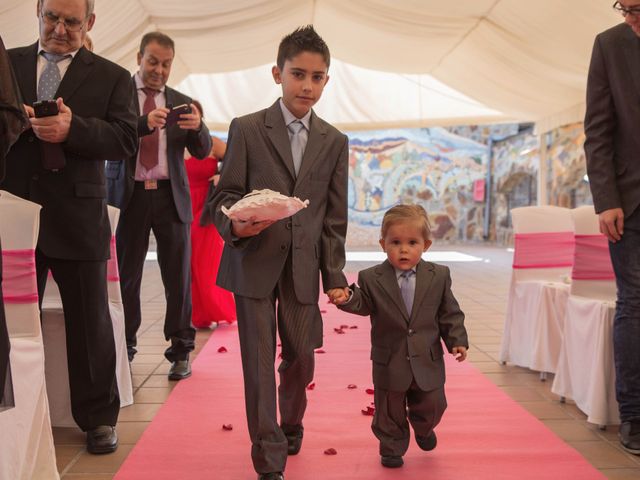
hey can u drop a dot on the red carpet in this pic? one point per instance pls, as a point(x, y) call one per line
point(483, 435)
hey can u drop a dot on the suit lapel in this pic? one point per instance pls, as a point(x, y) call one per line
point(277, 133)
point(389, 282)
point(315, 142)
point(78, 70)
point(26, 73)
point(632, 54)
point(424, 276)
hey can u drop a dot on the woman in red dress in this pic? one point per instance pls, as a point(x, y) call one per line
point(211, 304)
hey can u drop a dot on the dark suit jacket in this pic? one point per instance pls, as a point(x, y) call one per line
point(74, 223)
point(403, 347)
point(258, 157)
point(612, 144)
point(120, 175)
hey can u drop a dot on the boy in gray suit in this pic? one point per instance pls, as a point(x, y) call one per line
point(272, 267)
point(412, 308)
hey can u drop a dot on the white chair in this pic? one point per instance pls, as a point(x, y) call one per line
point(586, 372)
point(539, 289)
point(56, 346)
point(26, 443)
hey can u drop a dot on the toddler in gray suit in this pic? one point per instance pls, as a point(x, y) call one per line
point(412, 309)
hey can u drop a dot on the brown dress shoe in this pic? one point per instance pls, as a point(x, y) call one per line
point(102, 439)
point(391, 461)
point(294, 434)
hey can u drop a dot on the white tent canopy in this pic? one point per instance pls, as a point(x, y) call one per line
point(469, 61)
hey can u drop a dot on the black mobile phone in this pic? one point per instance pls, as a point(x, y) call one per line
point(174, 114)
point(45, 108)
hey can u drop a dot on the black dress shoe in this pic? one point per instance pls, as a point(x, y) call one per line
point(180, 369)
point(294, 434)
point(271, 476)
point(630, 436)
point(427, 443)
point(102, 439)
point(391, 461)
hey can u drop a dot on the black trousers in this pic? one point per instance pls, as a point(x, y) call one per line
point(299, 327)
point(91, 350)
point(6, 386)
point(155, 210)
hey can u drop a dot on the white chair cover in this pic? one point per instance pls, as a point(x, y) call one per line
point(537, 296)
point(56, 345)
point(586, 372)
point(26, 442)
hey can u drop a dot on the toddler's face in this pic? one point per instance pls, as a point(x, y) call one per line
point(303, 79)
point(404, 244)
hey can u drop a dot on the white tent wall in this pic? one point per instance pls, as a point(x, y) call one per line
point(500, 59)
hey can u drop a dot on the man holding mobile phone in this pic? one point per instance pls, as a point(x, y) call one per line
point(93, 122)
point(152, 191)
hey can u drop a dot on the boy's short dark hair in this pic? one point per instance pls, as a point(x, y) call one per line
point(158, 37)
point(406, 213)
point(302, 39)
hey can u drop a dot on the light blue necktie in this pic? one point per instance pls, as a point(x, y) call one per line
point(50, 77)
point(297, 143)
point(407, 290)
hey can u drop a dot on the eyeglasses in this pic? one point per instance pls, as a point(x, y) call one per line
point(635, 11)
point(70, 24)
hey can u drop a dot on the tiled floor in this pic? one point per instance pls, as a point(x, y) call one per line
point(481, 287)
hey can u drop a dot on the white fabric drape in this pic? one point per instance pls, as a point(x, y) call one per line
point(526, 60)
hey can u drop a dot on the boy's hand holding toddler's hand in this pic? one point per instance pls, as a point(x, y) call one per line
point(460, 353)
point(338, 296)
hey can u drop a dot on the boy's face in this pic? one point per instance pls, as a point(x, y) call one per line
point(302, 78)
point(404, 244)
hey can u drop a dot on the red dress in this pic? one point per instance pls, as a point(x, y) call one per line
point(210, 302)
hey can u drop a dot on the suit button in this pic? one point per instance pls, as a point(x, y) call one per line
point(35, 177)
point(283, 247)
point(411, 332)
point(408, 357)
point(30, 139)
point(288, 225)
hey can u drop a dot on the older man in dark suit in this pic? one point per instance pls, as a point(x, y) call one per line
point(152, 191)
point(59, 164)
point(612, 148)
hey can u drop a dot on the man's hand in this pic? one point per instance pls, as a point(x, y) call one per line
point(249, 228)
point(190, 121)
point(157, 118)
point(53, 129)
point(459, 353)
point(612, 224)
point(338, 296)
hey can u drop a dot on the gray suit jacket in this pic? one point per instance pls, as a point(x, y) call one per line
point(120, 174)
point(405, 347)
point(258, 157)
point(612, 144)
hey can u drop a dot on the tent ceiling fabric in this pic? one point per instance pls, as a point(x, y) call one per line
point(499, 59)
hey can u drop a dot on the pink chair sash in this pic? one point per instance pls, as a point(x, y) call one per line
point(543, 250)
point(591, 259)
point(19, 276)
point(113, 274)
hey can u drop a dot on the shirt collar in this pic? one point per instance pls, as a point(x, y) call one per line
point(41, 49)
point(140, 84)
point(400, 272)
point(290, 117)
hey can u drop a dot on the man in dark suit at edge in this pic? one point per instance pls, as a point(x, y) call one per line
point(59, 164)
point(152, 191)
point(612, 148)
